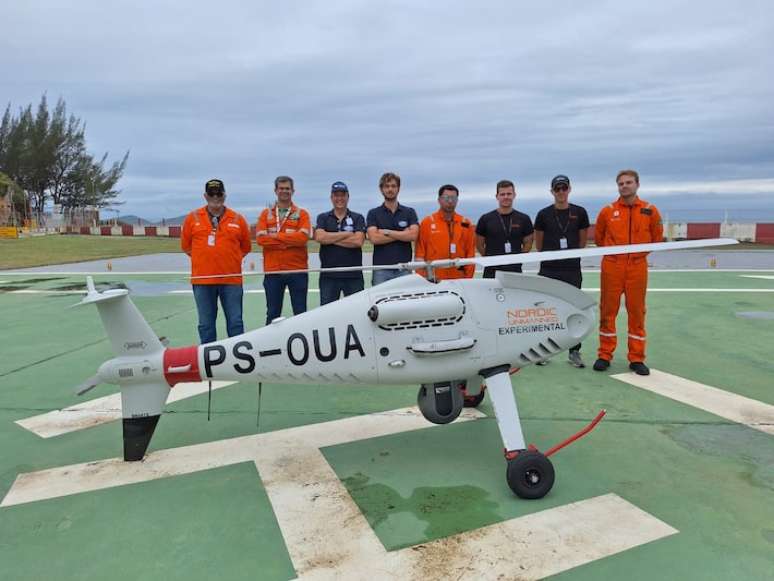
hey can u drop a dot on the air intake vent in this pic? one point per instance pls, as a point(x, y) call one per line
point(418, 310)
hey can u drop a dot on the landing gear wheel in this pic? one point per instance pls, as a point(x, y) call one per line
point(473, 401)
point(530, 475)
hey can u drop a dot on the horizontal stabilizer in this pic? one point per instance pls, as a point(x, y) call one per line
point(88, 385)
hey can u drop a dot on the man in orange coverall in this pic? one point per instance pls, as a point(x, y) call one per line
point(283, 231)
point(628, 220)
point(217, 239)
point(446, 234)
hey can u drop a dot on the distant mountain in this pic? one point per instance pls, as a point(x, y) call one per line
point(129, 219)
point(176, 221)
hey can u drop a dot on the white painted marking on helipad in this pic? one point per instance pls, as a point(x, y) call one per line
point(763, 276)
point(102, 410)
point(750, 412)
point(327, 536)
point(89, 476)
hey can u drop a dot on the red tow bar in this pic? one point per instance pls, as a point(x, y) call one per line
point(577, 436)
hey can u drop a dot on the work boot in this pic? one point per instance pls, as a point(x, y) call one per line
point(575, 359)
point(601, 364)
point(639, 368)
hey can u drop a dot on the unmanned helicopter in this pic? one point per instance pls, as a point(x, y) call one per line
point(453, 338)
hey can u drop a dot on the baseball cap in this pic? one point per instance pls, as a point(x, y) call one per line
point(339, 187)
point(560, 180)
point(214, 187)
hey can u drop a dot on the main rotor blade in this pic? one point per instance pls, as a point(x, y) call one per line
point(587, 252)
point(498, 260)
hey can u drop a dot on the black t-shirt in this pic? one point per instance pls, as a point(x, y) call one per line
point(384, 219)
point(557, 224)
point(497, 229)
point(332, 255)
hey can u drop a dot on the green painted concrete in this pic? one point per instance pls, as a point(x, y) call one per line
point(709, 478)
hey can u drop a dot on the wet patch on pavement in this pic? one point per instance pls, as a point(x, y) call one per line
point(445, 510)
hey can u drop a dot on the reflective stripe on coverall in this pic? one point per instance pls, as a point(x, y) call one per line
point(625, 274)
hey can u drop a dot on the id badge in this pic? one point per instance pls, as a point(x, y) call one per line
point(211, 240)
point(507, 247)
point(563, 243)
point(452, 248)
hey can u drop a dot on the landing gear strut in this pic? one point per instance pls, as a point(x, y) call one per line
point(530, 473)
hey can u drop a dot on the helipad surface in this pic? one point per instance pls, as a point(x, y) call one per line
point(676, 483)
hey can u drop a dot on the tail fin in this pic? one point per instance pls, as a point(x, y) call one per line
point(139, 353)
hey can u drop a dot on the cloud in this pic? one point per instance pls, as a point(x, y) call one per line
point(440, 92)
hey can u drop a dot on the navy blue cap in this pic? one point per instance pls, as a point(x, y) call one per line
point(560, 180)
point(339, 187)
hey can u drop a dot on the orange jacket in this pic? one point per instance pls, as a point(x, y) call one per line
point(287, 250)
point(618, 223)
point(437, 238)
point(230, 244)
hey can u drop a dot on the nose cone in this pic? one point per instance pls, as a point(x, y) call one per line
point(105, 372)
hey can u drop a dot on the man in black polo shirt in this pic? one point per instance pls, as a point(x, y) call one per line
point(391, 228)
point(340, 233)
point(504, 230)
point(562, 226)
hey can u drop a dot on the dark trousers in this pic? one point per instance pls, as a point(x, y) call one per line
point(573, 277)
point(206, 297)
point(274, 285)
point(332, 288)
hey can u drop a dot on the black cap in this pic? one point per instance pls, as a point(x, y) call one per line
point(560, 180)
point(214, 187)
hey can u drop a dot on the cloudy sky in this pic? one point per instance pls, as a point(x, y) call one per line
point(458, 92)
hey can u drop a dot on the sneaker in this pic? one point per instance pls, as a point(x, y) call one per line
point(639, 368)
point(542, 363)
point(575, 359)
point(601, 365)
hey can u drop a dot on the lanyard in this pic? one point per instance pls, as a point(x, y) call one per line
point(214, 221)
point(452, 245)
point(276, 217)
point(506, 231)
point(563, 229)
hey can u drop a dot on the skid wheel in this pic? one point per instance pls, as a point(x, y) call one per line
point(473, 401)
point(530, 475)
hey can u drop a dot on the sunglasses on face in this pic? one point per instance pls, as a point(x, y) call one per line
point(215, 194)
point(561, 189)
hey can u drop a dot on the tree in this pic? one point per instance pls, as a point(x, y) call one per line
point(13, 202)
point(45, 153)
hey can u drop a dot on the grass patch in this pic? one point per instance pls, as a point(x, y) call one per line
point(58, 249)
point(61, 249)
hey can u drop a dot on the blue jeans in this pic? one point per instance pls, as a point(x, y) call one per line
point(331, 288)
point(380, 276)
point(274, 285)
point(206, 297)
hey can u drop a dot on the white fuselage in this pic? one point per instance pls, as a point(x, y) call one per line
point(410, 331)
